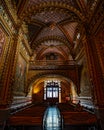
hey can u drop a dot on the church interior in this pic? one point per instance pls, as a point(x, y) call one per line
point(51, 65)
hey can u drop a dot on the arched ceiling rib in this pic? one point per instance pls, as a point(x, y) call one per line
point(53, 49)
point(52, 46)
point(49, 41)
point(50, 31)
point(50, 13)
point(55, 20)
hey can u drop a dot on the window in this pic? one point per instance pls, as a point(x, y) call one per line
point(52, 92)
point(51, 89)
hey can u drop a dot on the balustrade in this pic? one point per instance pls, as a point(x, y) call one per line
point(43, 63)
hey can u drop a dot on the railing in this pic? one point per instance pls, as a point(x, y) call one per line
point(51, 62)
point(20, 103)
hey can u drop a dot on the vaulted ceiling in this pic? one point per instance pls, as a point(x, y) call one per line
point(54, 24)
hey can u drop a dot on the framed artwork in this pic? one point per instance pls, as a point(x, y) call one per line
point(20, 77)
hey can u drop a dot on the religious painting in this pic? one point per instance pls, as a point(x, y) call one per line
point(20, 77)
point(2, 42)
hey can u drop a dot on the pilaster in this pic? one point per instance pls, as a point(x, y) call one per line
point(7, 74)
point(7, 81)
point(96, 76)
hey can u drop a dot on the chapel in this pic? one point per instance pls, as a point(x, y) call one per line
point(51, 64)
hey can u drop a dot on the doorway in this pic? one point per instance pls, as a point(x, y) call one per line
point(52, 91)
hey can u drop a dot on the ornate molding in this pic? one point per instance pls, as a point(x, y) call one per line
point(11, 8)
point(6, 18)
point(4, 62)
point(7, 75)
point(51, 67)
point(24, 40)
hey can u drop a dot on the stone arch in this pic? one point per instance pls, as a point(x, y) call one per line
point(44, 74)
point(36, 85)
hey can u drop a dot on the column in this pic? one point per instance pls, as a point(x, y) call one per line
point(96, 76)
point(7, 78)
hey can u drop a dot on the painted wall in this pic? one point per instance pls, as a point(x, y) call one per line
point(20, 76)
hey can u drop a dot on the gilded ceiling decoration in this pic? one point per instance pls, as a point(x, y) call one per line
point(51, 15)
point(52, 30)
point(51, 20)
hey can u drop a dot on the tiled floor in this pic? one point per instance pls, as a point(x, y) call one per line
point(52, 119)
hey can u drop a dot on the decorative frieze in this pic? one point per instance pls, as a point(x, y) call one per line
point(24, 51)
point(24, 46)
point(4, 15)
point(11, 5)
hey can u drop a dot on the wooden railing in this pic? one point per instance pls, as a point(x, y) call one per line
point(51, 62)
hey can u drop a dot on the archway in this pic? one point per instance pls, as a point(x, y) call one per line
point(62, 90)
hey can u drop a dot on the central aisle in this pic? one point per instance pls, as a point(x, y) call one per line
point(52, 119)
